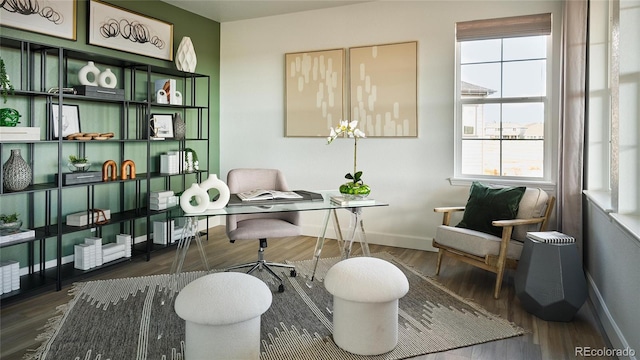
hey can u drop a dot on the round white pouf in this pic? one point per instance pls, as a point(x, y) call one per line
point(222, 313)
point(365, 304)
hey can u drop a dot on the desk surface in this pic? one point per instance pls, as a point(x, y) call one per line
point(325, 204)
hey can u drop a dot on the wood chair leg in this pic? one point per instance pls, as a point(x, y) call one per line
point(499, 276)
point(440, 253)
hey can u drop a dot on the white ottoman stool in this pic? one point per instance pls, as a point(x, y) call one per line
point(365, 304)
point(222, 313)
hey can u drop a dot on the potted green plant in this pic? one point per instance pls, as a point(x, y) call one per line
point(78, 164)
point(5, 84)
point(10, 222)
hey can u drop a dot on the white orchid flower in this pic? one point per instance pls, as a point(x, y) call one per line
point(359, 133)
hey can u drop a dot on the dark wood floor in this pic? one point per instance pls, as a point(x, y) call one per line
point(22, 321)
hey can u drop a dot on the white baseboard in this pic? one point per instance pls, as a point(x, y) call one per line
point(615, 335)
point(401, 241)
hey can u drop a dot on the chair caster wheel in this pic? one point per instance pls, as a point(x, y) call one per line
point(281, 288)
point(293, 273)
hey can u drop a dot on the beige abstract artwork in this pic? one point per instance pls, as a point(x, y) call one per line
point(314, 82)
point(383, 89)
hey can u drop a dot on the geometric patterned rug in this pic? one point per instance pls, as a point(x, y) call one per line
point(124, 319)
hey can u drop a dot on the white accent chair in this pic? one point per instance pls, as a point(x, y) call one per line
point(261, 226)
point(489, 251)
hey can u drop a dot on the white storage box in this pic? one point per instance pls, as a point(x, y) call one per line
point(19, 133)
point(82, 218)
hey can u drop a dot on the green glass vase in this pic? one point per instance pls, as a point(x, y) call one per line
point(355, 190)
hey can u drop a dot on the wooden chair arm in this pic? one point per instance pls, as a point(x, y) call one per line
point(516, 222)
point(446, 212)
point(448, 209)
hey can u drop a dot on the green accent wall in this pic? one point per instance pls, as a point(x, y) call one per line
point(205, 35)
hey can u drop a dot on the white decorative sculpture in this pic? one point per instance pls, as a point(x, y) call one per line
point(107, 79)
point(200, 192)
point(83, 74)
point(214, 183)
point(186, 56)
point(202, 199)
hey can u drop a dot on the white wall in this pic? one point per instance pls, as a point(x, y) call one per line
point(411, 174)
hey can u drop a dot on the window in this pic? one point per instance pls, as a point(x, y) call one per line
point(502, 109)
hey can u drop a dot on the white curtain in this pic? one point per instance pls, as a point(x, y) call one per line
point(572, 120)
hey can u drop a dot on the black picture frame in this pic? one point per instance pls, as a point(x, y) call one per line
point(70, 120)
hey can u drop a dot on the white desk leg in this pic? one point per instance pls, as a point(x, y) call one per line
point(320, 244)
point(356, 232)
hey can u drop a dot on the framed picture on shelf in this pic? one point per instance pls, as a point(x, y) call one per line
point(55, 18)
point(161, 126)
point(70, 120)
point(120, 29)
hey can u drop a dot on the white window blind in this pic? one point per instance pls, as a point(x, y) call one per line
point(517, 26)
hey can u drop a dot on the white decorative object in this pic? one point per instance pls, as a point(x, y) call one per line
point(186, 56)
point(213, 182)
point(107, 79)
point(201, 196)
point(161, 97)
point(83, 74)
point(176, 99)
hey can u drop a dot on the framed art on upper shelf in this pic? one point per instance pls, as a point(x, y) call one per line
point(161, 126)
point(120, 29)
point(55, 18)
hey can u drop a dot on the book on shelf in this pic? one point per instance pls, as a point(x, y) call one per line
point(346, 201)
point(550, 237)
point(19, 234)
point(262, 194)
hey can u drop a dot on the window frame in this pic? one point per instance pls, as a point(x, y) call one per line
point(547, 100)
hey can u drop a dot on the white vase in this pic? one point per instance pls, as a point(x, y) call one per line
point(107, 79)
point(201, 196)
point(186, 56)
point(83, 74)
point(213, 182)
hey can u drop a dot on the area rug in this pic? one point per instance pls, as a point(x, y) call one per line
point(125, 319)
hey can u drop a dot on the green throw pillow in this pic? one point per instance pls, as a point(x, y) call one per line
point(487, 204)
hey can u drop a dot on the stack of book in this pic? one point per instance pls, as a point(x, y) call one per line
point(171, 162)
point(550, 237)
point(162, 200)
point(113, 251)
point(96, 244)
point(13, 235)
point(346, 201)
point(9, 276)
point(84, 256)
point(124, 239)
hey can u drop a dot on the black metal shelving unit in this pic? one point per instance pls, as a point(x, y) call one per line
point(42, 67)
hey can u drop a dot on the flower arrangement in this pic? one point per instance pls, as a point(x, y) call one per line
point(349, 129)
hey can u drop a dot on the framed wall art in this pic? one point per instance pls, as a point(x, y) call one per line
point(314, 87)
point(383, 89)
point(161, 126)
point(70, 120)
point(116, 28)
point(55, 18)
